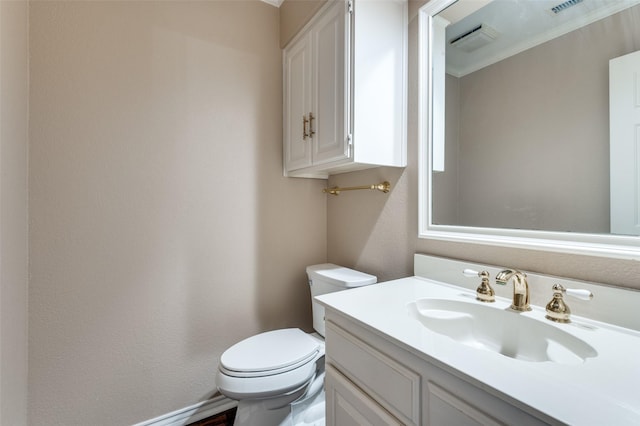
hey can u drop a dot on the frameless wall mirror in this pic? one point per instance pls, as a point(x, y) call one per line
point(530, 124)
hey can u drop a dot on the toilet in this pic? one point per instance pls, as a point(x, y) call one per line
point(277, 376)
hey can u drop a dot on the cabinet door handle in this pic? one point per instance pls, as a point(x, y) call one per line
point(305, 121)
point(311, 118)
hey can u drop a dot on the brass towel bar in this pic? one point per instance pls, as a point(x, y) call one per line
point(384, 187)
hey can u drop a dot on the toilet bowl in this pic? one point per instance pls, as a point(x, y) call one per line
point(277, 376)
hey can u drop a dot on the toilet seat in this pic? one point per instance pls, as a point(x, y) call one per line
point(269, 353)
point(269, 364)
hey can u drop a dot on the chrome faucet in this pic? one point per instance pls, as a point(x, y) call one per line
point(520, 288)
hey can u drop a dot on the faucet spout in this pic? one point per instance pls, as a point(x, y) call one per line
point(520, 288)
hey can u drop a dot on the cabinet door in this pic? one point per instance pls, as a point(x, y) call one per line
point(331, 35)
point(349, 406)
point(297, 104)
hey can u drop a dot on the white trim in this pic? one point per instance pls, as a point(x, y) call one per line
point(193, 413)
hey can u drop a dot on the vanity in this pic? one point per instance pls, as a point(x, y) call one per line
point(423, 351)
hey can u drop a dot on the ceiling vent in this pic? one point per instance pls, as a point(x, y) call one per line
point(564, 6)
point(475, 38)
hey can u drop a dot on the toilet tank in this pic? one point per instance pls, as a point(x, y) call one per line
point(329, 278)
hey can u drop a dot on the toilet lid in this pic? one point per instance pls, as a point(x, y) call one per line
point(272, 352)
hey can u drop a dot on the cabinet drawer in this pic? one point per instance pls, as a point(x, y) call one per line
point(394, 386)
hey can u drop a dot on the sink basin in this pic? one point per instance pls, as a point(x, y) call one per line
point(503, 331)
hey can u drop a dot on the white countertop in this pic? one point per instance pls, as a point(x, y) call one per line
point(604, 390)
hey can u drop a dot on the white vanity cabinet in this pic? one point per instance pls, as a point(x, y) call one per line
point(345, 80)
point(371, 381)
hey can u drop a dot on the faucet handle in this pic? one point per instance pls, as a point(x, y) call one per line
point(470, 273)
point(557, 310)
point(484, 292)
point(578, 293)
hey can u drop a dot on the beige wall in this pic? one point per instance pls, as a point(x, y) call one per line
point(162, 230)
point(13, 211)
point(378, 233)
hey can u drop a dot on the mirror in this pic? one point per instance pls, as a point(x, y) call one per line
point(521, 139)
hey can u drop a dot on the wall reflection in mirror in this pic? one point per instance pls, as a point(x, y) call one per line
point(533, 136)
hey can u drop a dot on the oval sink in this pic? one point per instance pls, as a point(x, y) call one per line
point(502, 331)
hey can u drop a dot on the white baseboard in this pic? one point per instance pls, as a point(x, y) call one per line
point(193, 413)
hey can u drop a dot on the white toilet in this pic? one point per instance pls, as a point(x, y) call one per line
point(277, 376)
